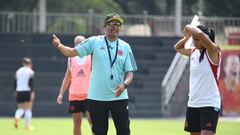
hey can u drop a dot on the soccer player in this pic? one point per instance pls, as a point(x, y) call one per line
point(24, 93)
point(77, 76)
point(204, 98)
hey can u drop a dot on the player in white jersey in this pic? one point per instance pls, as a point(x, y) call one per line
point(204, 98)
point(24, 93)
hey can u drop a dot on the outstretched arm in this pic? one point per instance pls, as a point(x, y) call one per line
point(65, 50)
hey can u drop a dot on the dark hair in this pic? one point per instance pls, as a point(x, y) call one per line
point(209, 32)
point(211, 35)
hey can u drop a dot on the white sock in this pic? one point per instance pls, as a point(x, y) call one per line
point(19, 113)
point(28, 117)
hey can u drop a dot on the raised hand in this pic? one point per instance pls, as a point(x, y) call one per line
point(187, 32)
point(56, 41)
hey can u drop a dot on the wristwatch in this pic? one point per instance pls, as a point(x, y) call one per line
point(125, 85)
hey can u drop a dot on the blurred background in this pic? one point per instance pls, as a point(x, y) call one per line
point(151, 27)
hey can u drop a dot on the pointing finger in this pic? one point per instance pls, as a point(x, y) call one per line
point(54, 36)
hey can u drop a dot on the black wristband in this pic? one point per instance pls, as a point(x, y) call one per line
point(125, 85)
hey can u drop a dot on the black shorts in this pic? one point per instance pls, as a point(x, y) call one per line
point(203, 118)
point(78, 106)
point(23, 96)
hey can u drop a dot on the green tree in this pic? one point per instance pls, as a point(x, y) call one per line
point(154, 7)
point(189, 7)
point(138, 6)
point(18, 5)
point(170, 5)
point(222, 8)
point(213, 7)
point(83, 6)
point(77, 6)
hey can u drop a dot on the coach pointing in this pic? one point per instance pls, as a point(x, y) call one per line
point(113, 64)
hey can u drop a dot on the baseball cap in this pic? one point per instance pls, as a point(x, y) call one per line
point(113, 17)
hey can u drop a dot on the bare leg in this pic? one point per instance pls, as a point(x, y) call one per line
point(18, 114)
point(28, 115)
point(89, 120)
point(77, 121)
point(195, 133)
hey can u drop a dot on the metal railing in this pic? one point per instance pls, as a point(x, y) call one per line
point(172, 78)
point(92, 24)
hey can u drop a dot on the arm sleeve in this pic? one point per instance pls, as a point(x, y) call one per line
point(86, 47)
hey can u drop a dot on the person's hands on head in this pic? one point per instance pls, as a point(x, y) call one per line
point(186, 31)
point(56, 41)
point(59, 99)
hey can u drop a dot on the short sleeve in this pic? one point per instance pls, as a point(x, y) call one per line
point(86, 47)
point(32, 73)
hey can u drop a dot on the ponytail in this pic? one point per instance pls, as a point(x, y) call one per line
point(209, 32)
point(212, 35)
point(202, 55)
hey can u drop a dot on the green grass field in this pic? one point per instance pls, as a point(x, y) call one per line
point(63, 126)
